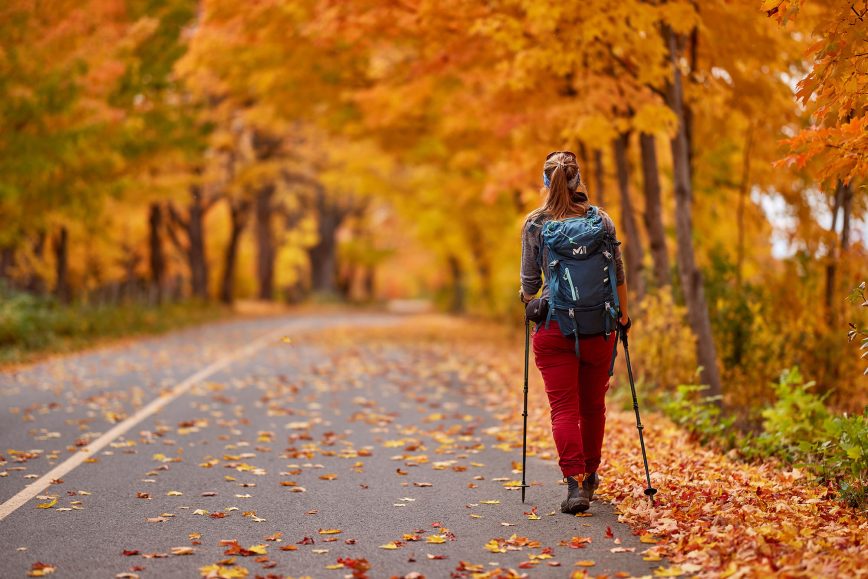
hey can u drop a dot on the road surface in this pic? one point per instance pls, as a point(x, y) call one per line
point(249, 447)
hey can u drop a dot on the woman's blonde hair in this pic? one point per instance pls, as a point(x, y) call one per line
point(565, 194)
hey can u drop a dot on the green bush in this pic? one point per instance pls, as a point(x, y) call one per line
point(30, 324)
point(793, 425)
point(700, 415)
point(797, 428)
point(844, 457)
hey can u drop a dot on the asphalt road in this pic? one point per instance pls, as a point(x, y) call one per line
point(278, 447)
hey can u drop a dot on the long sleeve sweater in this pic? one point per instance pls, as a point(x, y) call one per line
point(531, 273)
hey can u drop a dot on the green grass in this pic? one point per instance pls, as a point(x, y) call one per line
point(32, 326)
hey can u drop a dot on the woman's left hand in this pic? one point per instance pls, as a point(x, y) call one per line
point(626, 323)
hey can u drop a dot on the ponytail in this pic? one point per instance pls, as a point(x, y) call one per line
point(565, 195)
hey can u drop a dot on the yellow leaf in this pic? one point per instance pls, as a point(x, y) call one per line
point(648, 538)
point(673, 571)
point(41, 570)
point(47, 505)
point(329, 531)
point(174, 494)
point(495, 547)
point(491, 502)
point(585, 563)
point(221, 572)
point(258, 549)
point(390, 545)
point(436, 539)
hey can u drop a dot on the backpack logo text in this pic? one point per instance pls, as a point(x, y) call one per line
point(581, 250)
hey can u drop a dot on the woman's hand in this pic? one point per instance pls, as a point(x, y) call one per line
point(521, 296)
point(625, 322)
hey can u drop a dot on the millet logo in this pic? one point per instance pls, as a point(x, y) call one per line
point(581, 250)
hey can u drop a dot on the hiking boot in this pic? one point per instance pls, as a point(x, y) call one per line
point(590, 484)
point(577, 498)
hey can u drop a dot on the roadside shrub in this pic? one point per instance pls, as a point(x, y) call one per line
point(700, 415)
point(797, 428)
point(662, 347)
point(844, 456)
point(30, 323)
point(794, 424)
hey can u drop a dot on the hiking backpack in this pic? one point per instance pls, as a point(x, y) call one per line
point(581, 276)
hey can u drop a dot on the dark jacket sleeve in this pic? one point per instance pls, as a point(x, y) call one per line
point(531, 275)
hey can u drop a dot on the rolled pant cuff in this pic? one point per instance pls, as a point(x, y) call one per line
point(573, 469)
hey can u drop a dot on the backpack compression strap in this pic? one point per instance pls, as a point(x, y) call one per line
point(615, 312)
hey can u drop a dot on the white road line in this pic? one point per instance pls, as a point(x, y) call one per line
point(122, 427)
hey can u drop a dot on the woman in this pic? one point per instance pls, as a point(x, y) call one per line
point(576, 375)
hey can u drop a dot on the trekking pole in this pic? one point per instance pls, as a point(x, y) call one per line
point(524, 414)
point(650, 491)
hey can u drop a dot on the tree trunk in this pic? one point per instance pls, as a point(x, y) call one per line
point(370, 282)
point(7, 262)
point(833, 253)
point(599, 178)
point(654, 209)
point(265, 251)
point(196, 238)
point(742, 202)
point(847, 205)
point(323, 255)
point(35, 284)
point(842, 204)
point(633, 246)
point(482, 261)
point(583, 159)
point(193, 249)
point(157, 257)
point(61, 265)
point(345, 277)
point(458, 292)
point(238, 213)
point(691, 277)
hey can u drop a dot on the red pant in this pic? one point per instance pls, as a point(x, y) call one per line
point(576, 388)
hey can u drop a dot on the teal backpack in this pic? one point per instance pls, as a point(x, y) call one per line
point(580, 273)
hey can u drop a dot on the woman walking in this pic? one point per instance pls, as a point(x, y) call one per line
point(575, 365)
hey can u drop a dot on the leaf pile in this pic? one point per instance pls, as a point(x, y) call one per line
point(713, 516)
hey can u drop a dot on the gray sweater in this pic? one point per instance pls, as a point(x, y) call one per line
point(531, 275)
